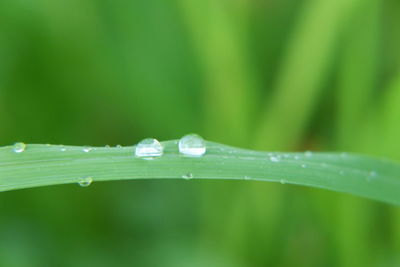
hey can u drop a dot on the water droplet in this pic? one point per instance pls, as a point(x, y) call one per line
point(373, 173)
point(187, 176)
point(19, 147)
point(86, 181)
point(296, 157)
point(274, 159)
point(303, 165)
point(118, 146)
point(87, 149)
point(192, 145)
point(149, 148)
point(247, 178)
point(63, 149)
point(107, 146)
point(308, 153)
point(283, 181)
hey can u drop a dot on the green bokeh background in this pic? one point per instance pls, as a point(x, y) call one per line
point(262, 74)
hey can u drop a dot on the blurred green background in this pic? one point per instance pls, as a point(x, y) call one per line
point(261, 74)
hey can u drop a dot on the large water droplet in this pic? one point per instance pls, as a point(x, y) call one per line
point(192, 145)
point(187, 176)
point(87, 149)
point(19, 147)
point(149, 148)
point(274, 159)
point(86, 181)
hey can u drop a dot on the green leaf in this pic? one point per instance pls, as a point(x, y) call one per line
point(41, 165)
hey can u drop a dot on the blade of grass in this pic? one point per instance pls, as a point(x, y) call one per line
point(218, 38)
point(41, 165)
point(389, 120)
point(220, 35)
point(358, 73)
point(285, 117)
point(303, 71)
point(389, 144)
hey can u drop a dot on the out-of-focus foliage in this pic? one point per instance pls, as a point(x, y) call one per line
point(267, 74)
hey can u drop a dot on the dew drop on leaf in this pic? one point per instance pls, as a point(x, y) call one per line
point(87, 149)
point(274, 159)
point(149, 148)
point(19, 147)
point(192, 145)
point(372, 175)
point(187, 176)
point(86, 181)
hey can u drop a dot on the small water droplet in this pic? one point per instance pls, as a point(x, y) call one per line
point(192, 145)
point(87, 149)
point(107, 146)
point(247, 177)
point(63, 149)
point(296, 157)
point(187, 176)
point(86, 181)
point(283, 181)
point(274, 159)
point(149, 148)
point(308, 153)
point(303, 165)
point(19, 147)
point(118, 146)
point(373, 173)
